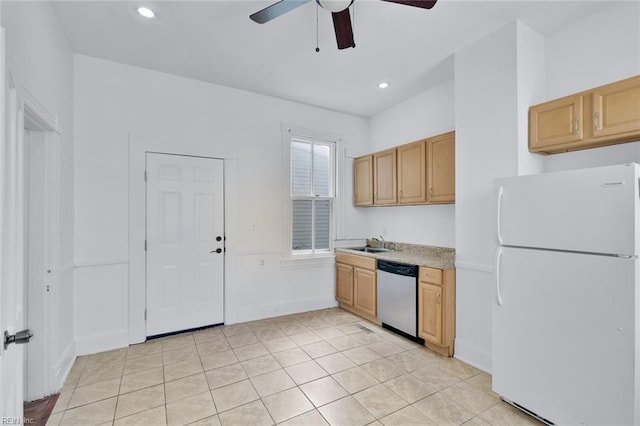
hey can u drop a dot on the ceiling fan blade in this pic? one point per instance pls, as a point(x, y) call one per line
point(275, 10)
point(425, 4)
point(344, 32)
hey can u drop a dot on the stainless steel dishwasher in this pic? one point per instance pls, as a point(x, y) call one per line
point(398, 298)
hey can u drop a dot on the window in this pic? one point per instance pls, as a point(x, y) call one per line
point(312, 195)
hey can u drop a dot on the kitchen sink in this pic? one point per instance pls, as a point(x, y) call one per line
point(373, 249)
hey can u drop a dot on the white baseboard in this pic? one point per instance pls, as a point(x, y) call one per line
point(474, 355)
point(63, 366)
point(102, 342)
point(279, 309)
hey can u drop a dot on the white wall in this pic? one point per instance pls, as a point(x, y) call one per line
point(40, 61)
point(486, 148)
point(599, 49)
point(115, 102)
point(427, 114)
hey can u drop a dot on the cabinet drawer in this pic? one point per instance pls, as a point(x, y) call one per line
point(359, 261)
point(431, 275)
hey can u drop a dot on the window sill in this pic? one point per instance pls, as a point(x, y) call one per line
point(308, 261)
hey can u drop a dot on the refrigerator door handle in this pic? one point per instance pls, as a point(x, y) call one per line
point(499, 215)
point(498, 262)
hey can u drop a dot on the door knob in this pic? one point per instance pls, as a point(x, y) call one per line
point(21, 337)
point(218, 250)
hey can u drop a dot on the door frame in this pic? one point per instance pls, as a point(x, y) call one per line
point(39, 119)
point(25, 110)
point(139, 145)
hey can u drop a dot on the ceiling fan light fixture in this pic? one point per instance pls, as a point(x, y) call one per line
point(383, 85)
point(334, 5)
point(146, 12)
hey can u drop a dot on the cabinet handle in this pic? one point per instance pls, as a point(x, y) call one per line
point(438, 299)
point(596, 121)
point(431, 191)
point(577, 126)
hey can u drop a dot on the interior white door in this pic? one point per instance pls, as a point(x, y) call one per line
point(185, 242)
point(12, 258)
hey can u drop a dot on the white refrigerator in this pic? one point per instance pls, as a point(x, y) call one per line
point(566, 323)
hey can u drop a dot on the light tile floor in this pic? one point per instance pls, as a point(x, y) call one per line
point(314, 368)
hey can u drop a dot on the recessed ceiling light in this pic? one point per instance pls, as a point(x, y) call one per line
point(383, 85)
point(146, 12)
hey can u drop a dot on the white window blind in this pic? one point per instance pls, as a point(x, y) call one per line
point(312, 195)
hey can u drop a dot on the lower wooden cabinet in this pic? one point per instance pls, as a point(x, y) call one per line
point(365, 290)
point(344, 283)
point(357, 285)
point(430, 298)
point(436, 309)
point(357, 292)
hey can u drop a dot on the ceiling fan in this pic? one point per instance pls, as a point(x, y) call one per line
point(339, 11)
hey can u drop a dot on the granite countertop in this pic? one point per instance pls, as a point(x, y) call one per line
point(413, 254)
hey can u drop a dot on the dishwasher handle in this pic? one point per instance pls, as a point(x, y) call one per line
point(398, 268)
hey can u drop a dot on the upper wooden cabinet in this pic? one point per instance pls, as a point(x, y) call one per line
point(384, 177)
point(363, 181)
point(441, 168)
point(556, 122)
point(616, 109)
point(605, 115)
point(412, 166)
point(421, 172)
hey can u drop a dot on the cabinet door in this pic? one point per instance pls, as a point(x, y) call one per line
point(365, 291)
point(441, 168)
point(556, 122)
point(384, 177)
point(412, 180)
point(344, 283)
point(363, 181)
point(616, 108)
point(430, 312)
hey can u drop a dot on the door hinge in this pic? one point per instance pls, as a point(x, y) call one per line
point(145, 175)
point(145, 245)
point(145, 314)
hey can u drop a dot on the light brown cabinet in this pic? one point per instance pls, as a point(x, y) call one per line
point(436, 309)
point(421, 172)
point(556, 122)
point(357, 285)
point(365, 291)
point(344, 283)
point(441, 168)
point(430, 297)
point(384, 177)
point(363, 181)
point(412, 168)
point(605, 115)
point(616, 109)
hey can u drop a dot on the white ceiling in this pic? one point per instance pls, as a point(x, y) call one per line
point(215, 41)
